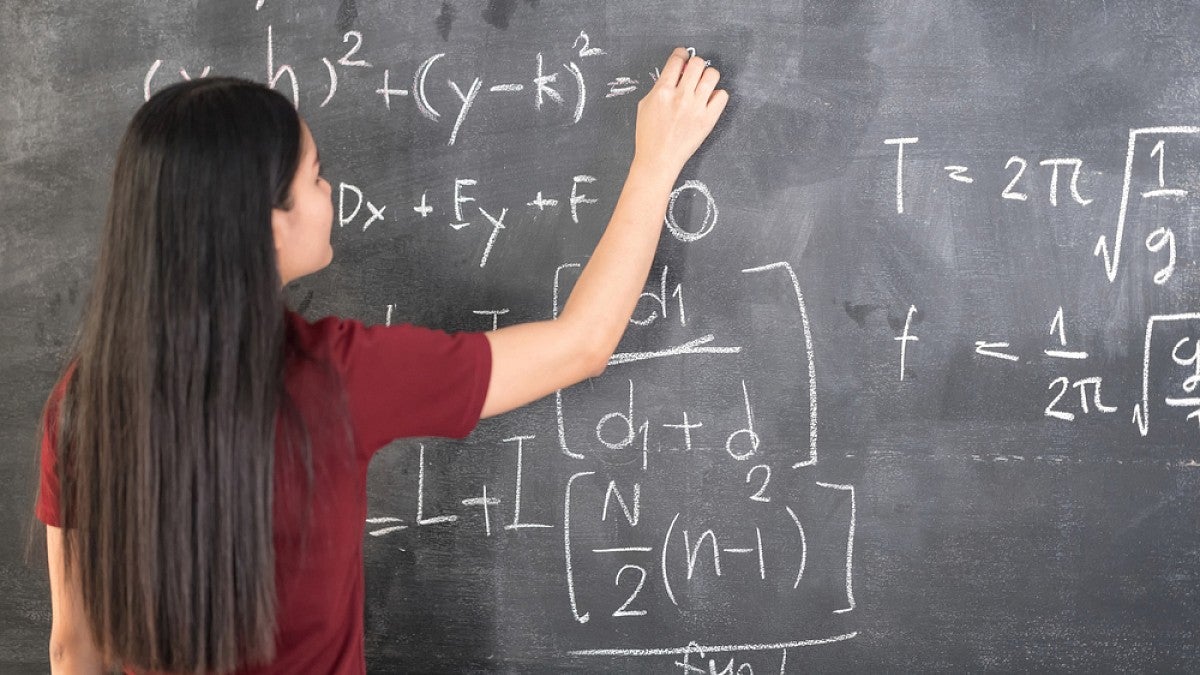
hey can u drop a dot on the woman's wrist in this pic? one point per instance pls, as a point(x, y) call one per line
point(654, 171)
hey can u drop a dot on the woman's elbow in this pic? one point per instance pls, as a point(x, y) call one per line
point(73, 656)
point(60, 648)
point(597, 361)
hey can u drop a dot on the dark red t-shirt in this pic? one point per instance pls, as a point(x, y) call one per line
point(400, 381)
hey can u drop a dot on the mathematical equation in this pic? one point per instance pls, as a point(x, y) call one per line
point(635, 542)
point(1183, 365)
point(353, 206)
point(351, 199)
point(540, 85)
point(1161, 240)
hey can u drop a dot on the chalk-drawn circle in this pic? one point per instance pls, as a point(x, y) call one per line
point(710, 212)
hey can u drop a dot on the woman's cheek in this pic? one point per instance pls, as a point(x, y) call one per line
point(328, 204)
point(328, 232)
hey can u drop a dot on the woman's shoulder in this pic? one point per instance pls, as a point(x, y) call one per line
point(333, 339)
point(349, 342)
point(314, 333)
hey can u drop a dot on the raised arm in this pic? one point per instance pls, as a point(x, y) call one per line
point(531, 360)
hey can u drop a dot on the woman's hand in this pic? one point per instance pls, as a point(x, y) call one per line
point(678, 112)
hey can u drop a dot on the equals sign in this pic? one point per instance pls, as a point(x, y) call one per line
point(988, 349)
point(384, 530)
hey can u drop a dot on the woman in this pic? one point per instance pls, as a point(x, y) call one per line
point(221, 441)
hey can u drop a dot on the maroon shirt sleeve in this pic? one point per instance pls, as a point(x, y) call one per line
point(46, 508)
point(405, 380)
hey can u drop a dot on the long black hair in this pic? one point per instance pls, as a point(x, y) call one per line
point(167, 426)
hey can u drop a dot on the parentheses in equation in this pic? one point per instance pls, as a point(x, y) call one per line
point(849, 544)
point(562, 426)
point(803, 546)
point(581, 618)
point(574, 69)
point(558, 393)
point(150, 76)
point(332, 81)
point(663, 561)
point(154, 69)
point(419, 88)
point(808, 348)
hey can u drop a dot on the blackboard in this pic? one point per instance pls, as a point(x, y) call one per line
point(912, 387)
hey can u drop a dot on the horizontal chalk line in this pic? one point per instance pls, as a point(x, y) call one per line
point(706, 649)
point(1045, 459)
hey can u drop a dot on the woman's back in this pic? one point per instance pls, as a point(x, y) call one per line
point(387, 373)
